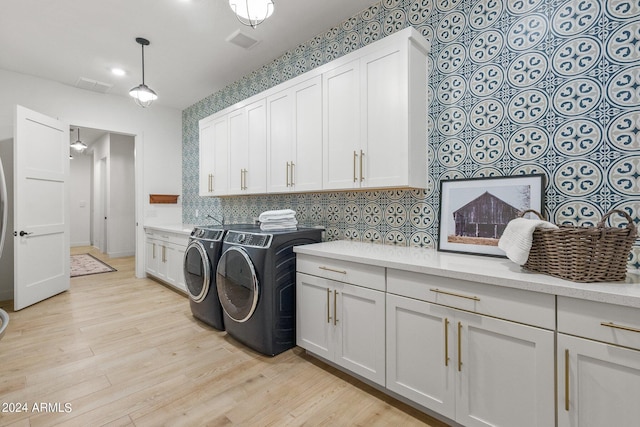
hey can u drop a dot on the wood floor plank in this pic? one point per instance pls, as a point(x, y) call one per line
point(124, 351)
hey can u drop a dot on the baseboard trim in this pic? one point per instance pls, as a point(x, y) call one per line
point(121, 254)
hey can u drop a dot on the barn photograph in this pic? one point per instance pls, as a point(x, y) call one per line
point(475, 212)
point(484, 217)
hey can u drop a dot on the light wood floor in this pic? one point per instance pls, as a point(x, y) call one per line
point(121, 351)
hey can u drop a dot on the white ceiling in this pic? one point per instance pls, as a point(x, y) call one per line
point(188, 58)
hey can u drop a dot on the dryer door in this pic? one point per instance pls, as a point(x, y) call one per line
point(196, 271)
point(237, 284)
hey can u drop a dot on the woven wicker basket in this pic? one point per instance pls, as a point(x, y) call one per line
point(582, 254)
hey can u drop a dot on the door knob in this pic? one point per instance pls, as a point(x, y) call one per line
point(24, 233)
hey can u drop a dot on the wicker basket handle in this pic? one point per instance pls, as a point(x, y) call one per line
point(630, 224)
point(531, 211)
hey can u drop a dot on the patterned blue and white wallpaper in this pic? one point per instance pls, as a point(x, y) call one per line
point(516, 87)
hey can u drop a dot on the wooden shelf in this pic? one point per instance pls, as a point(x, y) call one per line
point(163, 198)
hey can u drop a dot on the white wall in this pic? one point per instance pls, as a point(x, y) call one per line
point(121, 197)
point(157, 131)
point(101, 159)
point(80, 199)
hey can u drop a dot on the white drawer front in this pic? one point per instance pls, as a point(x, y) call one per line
point(367, 276)
point(599, 321)
point(531, 308)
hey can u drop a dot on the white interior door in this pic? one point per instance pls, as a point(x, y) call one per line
point(41, 207)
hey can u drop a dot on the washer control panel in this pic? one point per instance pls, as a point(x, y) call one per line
point(256, 240)
point(202, 233)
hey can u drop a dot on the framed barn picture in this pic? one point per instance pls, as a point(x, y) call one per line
point(474, 212)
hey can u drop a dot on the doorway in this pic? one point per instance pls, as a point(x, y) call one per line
point(103, 208)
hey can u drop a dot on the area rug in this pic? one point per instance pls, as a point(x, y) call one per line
point(85, 264)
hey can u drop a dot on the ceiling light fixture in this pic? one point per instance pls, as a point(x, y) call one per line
point(118, 71)
point(142, 94)
point(252, 12)
point(78, 145)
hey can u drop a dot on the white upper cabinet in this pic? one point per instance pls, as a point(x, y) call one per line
point(214, 146)
point(294, 138)
point(375, 118)
point(356, 122)
point(341, 136)
point(247, 149)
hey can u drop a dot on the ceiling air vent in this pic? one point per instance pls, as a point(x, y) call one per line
point(96, 86)
point(241, 39)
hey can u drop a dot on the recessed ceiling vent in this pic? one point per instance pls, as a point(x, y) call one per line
point(241, 39)
point(93, 85)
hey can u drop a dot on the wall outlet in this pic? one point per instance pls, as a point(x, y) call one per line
point(197, 213)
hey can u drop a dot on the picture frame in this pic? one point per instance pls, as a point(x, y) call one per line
point(475, 211)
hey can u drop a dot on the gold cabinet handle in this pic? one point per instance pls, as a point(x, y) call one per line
point(438, 291)
point(154, 250)
point(164, 250)
point(335, 308)
point(210, 183)
point(322, 267)
point(288, 166)
point(446, 342)
point(459, 346)
point(292, 174)
point(623, 327)
point(355, 158)
point(361, 159)
point(566, 380)
point(328, 305)
point(241, 179)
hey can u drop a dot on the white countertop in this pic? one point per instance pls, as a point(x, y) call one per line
point(173, 228)
point(483, 269)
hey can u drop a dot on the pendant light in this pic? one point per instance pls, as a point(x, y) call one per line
point(252, 12)
point(78, 145)
point(142, 94)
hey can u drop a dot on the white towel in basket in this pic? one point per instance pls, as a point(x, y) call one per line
point(517, 238)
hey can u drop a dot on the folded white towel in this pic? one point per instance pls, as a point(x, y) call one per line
point(278, 227)
point(279, 214)
point(517, 238)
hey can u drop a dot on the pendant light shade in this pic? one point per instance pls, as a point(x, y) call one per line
point(79, 145)
point(142, 94)
point(252, 12)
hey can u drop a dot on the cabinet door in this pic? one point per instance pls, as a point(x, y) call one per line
point(206, 152)
point(420, 362)
point(255, 174)
point(238, 150)
point(219, 177)
point(360, 330)
point(341, 133)
point(173, 255)
point(602, 381)
point(505, 373)
point(152, 256)
point(314, 318)
point(384, 122)
point(279, 142)
point(306, 173)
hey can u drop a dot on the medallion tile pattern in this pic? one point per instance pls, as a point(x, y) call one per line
point(515, 87)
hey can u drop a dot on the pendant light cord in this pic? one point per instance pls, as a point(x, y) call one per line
point(142, 63)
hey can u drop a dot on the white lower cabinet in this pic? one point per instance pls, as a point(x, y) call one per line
point(598, 364)
point(474, 369)
point(343, 324)
point(598, 384)
point(164, 253)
